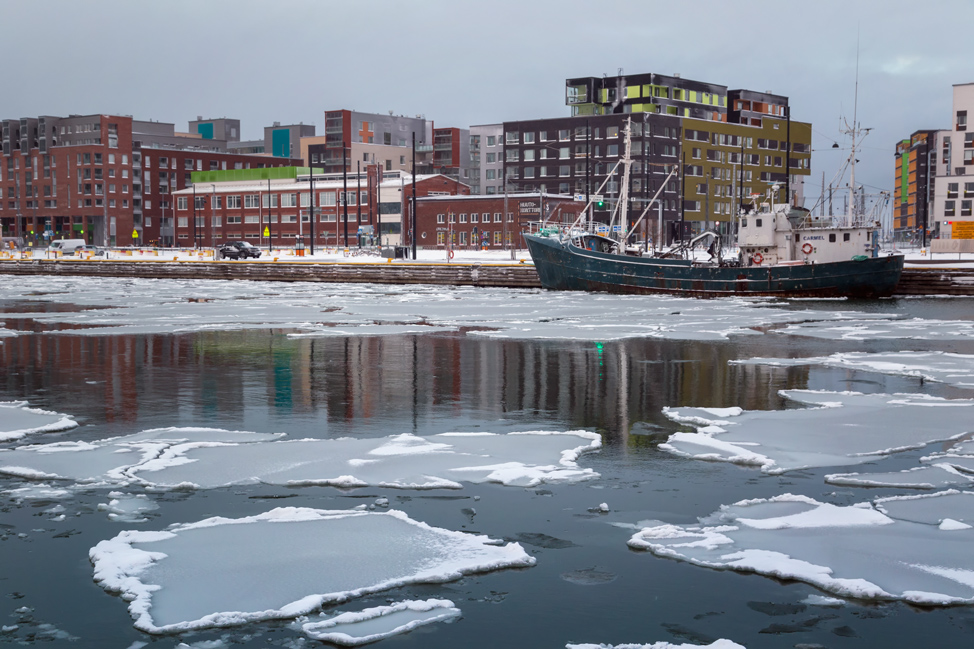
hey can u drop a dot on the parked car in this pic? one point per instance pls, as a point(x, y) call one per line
point(94, 250)
point(239, 250)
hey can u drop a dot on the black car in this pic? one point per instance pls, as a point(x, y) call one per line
point(238, 250)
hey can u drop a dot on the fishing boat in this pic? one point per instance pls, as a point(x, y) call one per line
point(782, 251)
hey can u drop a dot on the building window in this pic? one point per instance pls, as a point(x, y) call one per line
point(950, 208)
point(528, 138)
point(952, 190)
point(962, 120)
point(463, 218)
point(182, 203)
point(233, 202)
point(182, 221)
point(491, 140)
point(511, 137)
point(441, 218)
point(965, 208)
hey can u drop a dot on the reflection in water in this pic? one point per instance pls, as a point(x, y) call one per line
point(383, 384)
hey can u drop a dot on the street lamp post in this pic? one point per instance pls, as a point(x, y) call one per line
point(345, 191)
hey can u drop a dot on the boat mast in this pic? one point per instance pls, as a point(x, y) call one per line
point(855, 126)
point(622, 207)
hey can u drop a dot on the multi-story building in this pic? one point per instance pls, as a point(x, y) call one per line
point(451, 153)
point(913, 186)
point(222, 128)
point(953, 191)
point(487, 159)
point(386, 139)
point(285, 141)
point(104, 178)
point(273, 206)
point(727, 146)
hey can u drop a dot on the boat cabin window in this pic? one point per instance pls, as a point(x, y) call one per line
point(743, 223)
point(832, 238)
point(845, 237)
point(757, 223)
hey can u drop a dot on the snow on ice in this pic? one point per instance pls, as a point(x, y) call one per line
point(184, 578)
point(380, 622)
point(942, 367)
point(209, 458)
point(884, 550)
point(312, 309)
point(861, 327)
point(838, 429)
point(17, 420)
point(718, 644)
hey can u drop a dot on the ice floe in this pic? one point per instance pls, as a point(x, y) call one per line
point(951, 467)
point(127, 508)
point(942, 367)
point(717, 644)
point(17, 420)
point(380, 622)
point(838, 429)
point(324, 309)
point(224, 572)
point(208, 458)
point(861, 328)
point(891, 549)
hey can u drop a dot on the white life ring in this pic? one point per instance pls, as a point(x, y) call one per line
point(757, 258)
point(807, 248)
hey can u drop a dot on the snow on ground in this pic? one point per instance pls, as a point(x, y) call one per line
point(892, 549)
point(838, 429)
point(378, 623)
point(129, 306)
point(184, 578)
point(17, 420)
point(209, 458)
point(718, 644)
point(943, 367)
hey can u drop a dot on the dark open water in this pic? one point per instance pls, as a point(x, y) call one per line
point(376, 386)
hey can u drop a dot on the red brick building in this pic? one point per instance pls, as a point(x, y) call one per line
point(278, 201)
point(100, 177)
point(469, 222)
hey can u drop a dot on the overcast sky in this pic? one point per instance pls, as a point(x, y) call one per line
point(462, 63)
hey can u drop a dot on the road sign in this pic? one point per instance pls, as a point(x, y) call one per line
point(617, 228)
point(267, 231)
point(579, 198)
point(962, 230)
point(135, 234)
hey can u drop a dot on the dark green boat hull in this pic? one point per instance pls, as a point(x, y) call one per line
point(564, 267)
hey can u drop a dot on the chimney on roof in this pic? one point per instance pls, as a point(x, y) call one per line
point(199, 118)
point(277, 123)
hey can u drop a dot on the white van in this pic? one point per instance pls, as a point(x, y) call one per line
point(66, 246)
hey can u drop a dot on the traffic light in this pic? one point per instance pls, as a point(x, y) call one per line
point(600, 204)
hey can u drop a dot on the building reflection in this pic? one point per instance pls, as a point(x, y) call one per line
point(381, 384)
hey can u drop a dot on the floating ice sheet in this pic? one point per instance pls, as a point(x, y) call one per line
point(883, 329)
point(326, 309)
point(185, 578)
point(842, 428)
point(952, 467)
point(208, 458)
point(17, 420)
point(378, 623)
point(127, 508)
point(943, 367)
point(718, 644)
point(105, 461)
point(893, 549)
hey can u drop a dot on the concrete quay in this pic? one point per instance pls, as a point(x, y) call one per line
point(941, 280)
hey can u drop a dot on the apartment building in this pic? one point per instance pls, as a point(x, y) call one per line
point(487, 159)
point(104, 178)
point(912, 198)
point(725, 144)
point(953, 191)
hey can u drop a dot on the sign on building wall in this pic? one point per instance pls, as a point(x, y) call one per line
point(962, 230)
